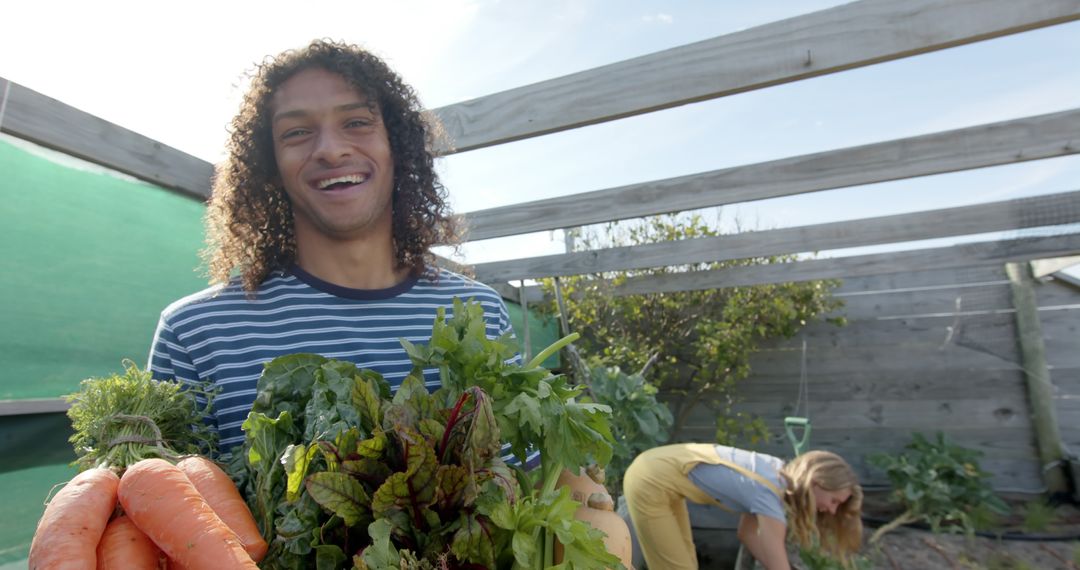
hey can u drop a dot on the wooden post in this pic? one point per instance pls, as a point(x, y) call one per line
point(526, 354)
point(1037, 375)
point(569, 238)
point(564, 318)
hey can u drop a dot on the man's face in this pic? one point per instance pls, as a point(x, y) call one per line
point(333, 156)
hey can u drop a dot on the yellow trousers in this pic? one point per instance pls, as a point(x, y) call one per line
point(657, 487)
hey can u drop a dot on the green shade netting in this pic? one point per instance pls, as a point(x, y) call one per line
point(542, 332)
point(25, 491)
point(92, 259)
point(36, 455)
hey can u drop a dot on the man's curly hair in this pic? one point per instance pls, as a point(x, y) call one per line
point(249, 219)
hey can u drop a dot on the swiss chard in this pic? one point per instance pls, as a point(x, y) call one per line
point(337, 470)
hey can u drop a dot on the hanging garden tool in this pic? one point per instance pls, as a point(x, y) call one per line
point(793, 423)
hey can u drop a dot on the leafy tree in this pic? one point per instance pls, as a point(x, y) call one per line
point(701, 340)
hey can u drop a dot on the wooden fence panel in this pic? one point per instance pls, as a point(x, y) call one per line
point(1002, 444)
point(893, 385)
point(1067, 385)
point(937, 302)
point(886, 374)
point(952, 277)
point(994, 331)
point(905, 414)
point(870, 359)
point(1061, 337)
point(1055, 293)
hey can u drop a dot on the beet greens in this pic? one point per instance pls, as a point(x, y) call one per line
point(340, 473)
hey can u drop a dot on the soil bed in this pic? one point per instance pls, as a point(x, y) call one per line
point(909, 548)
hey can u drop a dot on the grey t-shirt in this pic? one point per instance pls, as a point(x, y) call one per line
point(737, 491)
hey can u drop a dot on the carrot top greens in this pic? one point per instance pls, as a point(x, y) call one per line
point(122, 418)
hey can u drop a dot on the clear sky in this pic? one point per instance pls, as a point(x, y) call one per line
point(174, 72)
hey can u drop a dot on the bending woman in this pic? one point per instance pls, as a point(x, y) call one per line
point(816, 498)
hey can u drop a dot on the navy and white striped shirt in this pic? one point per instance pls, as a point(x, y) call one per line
point(219, 338)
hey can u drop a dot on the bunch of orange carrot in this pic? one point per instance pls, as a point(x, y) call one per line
point(147, 497)
point(186, 516)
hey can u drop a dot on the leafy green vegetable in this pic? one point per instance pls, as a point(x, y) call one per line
point(552, 511)
point(814, 558)
point(122, 418)
point(337, 469)
point(381, 554)
point(340, 494)
point(638, 421)
point(937, 482)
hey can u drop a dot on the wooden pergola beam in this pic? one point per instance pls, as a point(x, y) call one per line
point(970, 255)
point(40, 119)
point(993, 144)
point(985, 257)
point(829, 41)
point(1021, 213)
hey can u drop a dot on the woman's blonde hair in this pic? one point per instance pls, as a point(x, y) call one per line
point(840, 534)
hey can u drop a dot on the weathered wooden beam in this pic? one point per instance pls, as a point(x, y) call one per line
point(509, 292)
point(33, 406)
point(1007, 142)
point(1040, 387)
point(1068, 279)
point(527, 343)
point(845, 37)
point(31, 116)
point(1043, 267)
point(504, 289)
point(957, 256)
point(865, 274)
point(1053, 209)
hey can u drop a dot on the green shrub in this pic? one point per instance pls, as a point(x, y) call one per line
point(638, 420)
point(937, 483)
point(815, 559)
point(1038, 516)
point(985, 518)
point(697, 343)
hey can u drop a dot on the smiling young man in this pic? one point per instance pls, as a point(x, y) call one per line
point(319, 227)
point(333, 156)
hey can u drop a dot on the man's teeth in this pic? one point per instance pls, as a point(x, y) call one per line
point(349, 179)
